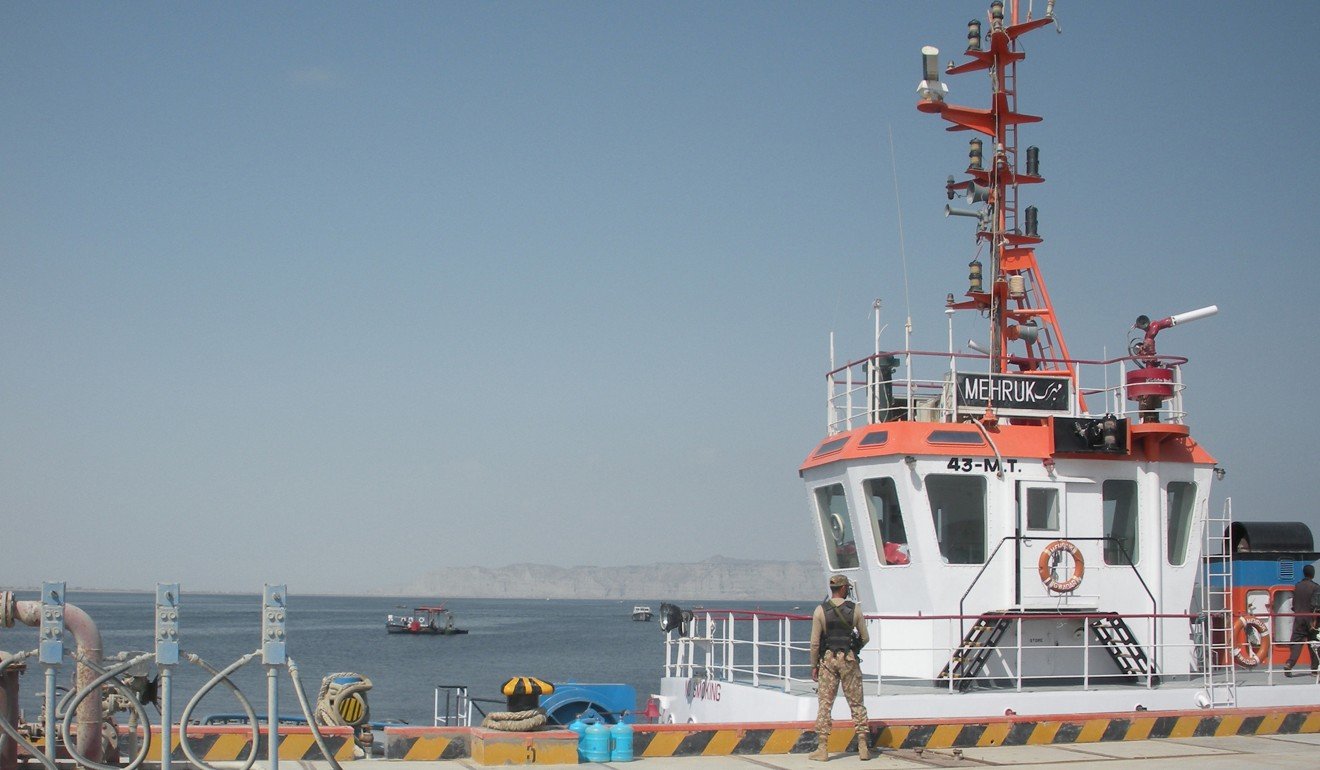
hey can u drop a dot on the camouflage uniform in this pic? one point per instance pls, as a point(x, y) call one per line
point(839, 668)
point(833, 624)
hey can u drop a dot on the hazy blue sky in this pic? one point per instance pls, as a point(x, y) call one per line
point(331, 293)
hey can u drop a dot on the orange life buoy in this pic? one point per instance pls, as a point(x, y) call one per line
point(1246, 652)
point(1050, 557)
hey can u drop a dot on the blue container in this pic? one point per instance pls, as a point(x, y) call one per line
point(579, 727)
point(621, 738)
point(596, 743)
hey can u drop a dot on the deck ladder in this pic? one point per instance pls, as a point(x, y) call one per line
point(1112, 631)
point(1217, 607)
point(975, 649)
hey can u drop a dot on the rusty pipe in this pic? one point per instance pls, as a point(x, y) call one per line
point(88, 638)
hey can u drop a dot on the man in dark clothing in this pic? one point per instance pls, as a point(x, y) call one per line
point(1304, 621)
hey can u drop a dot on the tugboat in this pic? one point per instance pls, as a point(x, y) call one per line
point(424, 620)
point(1032, 531)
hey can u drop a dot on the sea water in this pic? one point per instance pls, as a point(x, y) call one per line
point(555, 640)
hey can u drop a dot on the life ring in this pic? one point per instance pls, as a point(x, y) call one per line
point(1049, 559)
point(1245, 652)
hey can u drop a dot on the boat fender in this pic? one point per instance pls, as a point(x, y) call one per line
point(1051, 556)
point(342, 700)
point(1247, 653)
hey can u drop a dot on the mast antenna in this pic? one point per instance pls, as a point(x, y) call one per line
point(902, 245)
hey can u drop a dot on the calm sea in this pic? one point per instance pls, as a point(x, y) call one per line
point(558, 641)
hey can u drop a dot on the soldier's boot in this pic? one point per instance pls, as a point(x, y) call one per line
point(822, 753)
point(863, 746)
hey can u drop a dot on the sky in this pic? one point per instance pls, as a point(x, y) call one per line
point(330, 294)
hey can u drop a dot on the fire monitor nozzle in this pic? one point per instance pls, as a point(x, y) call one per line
point(1194, 315)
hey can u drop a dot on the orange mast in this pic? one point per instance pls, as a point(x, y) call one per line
point(1016, 300)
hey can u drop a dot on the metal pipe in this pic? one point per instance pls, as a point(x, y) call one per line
point(6, 661)
point(88, 637)
point(272, 719)
point(8, 715)
point(51, 748)
point(166, 718)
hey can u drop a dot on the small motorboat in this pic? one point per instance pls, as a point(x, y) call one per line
point(641, 612)
point(436, 621)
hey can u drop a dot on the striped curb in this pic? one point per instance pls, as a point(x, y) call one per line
point(220, 744)
point(799, 738)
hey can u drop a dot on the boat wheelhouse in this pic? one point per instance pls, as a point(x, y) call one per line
point(1029, 532)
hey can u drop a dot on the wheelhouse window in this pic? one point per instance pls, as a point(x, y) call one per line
point(891, 542)
point(957, 507)
point(840, 544)
point(1179, 498)
point(1120, 520)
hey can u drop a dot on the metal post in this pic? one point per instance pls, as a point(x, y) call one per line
point(273, 656)
point(51, 652)
point(756, 650)
point(167, 656)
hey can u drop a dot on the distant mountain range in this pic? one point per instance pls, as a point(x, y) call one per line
point(716, 578)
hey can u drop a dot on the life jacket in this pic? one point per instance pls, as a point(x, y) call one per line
point(839, 626)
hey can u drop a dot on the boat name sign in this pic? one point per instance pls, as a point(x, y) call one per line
point(1014, 394)
point(700, 688)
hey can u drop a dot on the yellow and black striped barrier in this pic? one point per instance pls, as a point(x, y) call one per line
point(483, 746)
point(230, 743)
point(800, 737)
point(420, 744)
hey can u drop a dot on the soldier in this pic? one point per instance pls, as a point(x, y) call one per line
point(838, 632)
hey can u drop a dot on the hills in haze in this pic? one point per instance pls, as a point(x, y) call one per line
point(715, 578)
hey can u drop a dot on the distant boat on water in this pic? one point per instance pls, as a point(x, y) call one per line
point(424, 621)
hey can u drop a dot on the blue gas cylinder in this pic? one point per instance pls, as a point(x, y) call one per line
point(596, 743)
point(621, 737)
point(579, 727)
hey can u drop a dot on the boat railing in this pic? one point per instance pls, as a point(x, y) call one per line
point(921, 386)
point(1120, 549)
point(453, 707)
point(772, 650)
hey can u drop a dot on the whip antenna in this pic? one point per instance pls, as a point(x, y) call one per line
point(902, 245)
